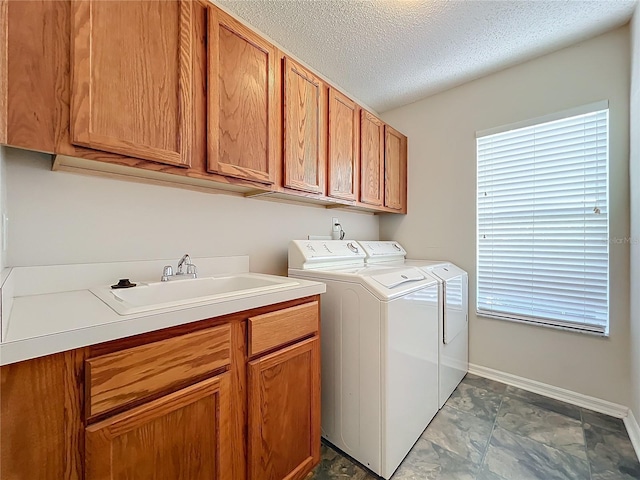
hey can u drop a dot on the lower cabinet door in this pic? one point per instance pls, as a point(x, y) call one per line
point(181, 436)
point(284, 412)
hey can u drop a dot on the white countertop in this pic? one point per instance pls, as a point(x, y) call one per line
point(47, 310)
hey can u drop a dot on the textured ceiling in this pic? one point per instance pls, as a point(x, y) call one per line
point(389, 53)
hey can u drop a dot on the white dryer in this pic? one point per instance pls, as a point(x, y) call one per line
point(379, 337)
point(453, 333)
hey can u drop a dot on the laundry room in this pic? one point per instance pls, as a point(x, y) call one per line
point(252, 240)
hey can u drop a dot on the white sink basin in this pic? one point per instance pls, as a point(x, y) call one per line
point(159, 295)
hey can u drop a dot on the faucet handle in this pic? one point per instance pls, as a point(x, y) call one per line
point(192, 270)
point(167, 272)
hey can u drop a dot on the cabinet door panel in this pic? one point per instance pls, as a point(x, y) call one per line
point(304, 133)
point(242, 103)
point(182, 436)
point(132, 78)
point(40, 418)
point(371, 159)
point(344, 141)
point(284, 413)
point(395, 170)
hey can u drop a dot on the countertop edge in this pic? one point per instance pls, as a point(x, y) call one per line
point(30, 348)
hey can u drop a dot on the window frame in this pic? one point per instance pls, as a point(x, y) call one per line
point(593, 328)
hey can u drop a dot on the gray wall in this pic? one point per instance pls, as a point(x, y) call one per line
point(60, 218)
point(442, 205)
point(3, 202)
point(635, 215)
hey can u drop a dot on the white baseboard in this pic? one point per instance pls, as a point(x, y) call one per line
point(633, 429)
point(568, 396)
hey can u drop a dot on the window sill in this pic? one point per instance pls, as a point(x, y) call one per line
point(542, 323)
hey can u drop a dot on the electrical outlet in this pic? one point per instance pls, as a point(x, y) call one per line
point(334, 228)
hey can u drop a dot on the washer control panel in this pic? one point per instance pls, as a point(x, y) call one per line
point(314, 253)
point(383, 251)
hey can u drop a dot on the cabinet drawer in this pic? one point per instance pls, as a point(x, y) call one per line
point(127, 376)
point(273, 329)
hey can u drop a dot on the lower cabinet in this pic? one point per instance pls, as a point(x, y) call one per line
point(228, 398)
point(284, 412)
point(181, 436)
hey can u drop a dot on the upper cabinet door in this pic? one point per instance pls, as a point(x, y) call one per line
point(395, 170)
point(371, 159)
point(132, 78)
point(344, 142)
point(304, 129)
point(242, 101)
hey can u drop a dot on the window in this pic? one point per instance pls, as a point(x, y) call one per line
point(543, 250)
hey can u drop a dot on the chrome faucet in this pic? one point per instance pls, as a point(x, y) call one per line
point(185, 259)
point(192, 272)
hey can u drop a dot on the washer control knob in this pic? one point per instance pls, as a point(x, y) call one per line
point(352, 247)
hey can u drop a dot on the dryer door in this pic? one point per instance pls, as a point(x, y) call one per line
point(455, 300)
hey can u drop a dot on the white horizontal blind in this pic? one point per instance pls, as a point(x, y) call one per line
point(543, 250)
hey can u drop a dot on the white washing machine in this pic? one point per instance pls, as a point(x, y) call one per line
point(379, 337)
point(453, 333)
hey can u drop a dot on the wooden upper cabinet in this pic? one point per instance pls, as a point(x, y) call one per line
point(132, 78)
point(371, 159)
point(395, 170)
point(242, 108)
point(304, 112)
point(181, 436)
point(344, 146)
point(284, 413)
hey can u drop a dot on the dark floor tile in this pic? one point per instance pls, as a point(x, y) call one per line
point(542, 425)
point(486, 474)
point(545, 402)
point(603, 421)
point(485, 383)
point(428, 461)
point(477, 401)
point(611, 454)
point(334, 466)
point(512, 456)
point(459, 432)
point(611, 476)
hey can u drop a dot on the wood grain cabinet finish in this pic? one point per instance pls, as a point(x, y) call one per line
point(179, 92)
point(371, 159)
point(132, 78)
point(41, 426)
point(275, 329)
point(197, 429)
point(121, 378)
point(242, 107)
point(395, 170)
point(343, 159)
point(181, 436)
point(284, 412)
point(304, 116)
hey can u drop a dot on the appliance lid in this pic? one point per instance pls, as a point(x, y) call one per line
point(397, 282)
point(446, 271)
point(394, 279)
point(383, 251)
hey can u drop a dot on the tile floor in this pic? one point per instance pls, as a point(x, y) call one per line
point(491, 431)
